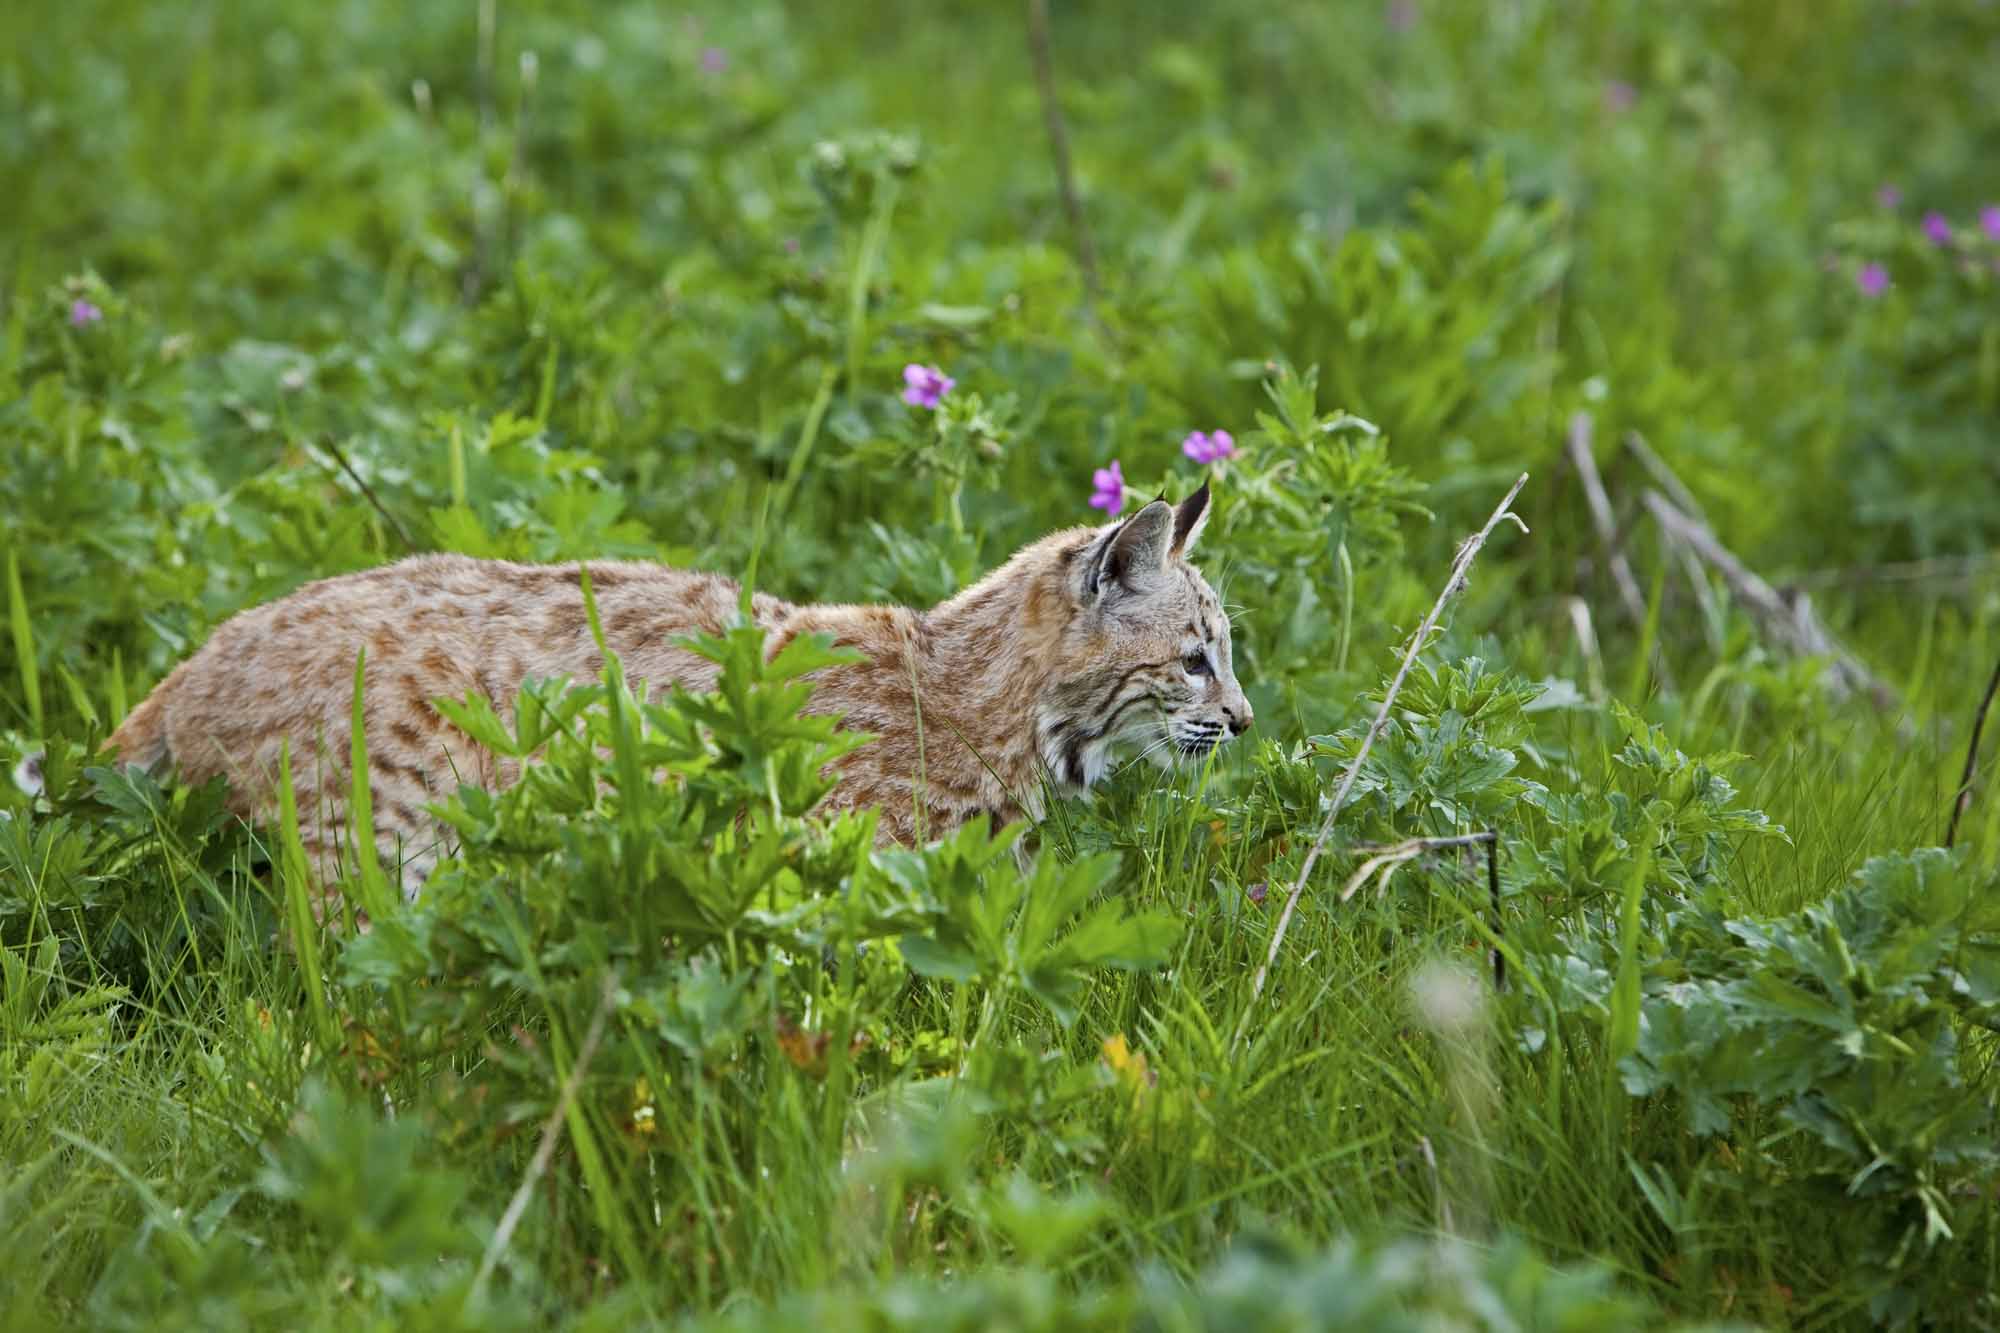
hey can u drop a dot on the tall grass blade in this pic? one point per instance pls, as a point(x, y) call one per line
point(376, 895)
point(296, 881)
point(24, 643)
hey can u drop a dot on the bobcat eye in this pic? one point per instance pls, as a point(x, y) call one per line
point(1196, 663)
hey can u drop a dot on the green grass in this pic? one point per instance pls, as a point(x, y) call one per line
point(552, 287)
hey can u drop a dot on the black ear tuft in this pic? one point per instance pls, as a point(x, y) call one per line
point(1189, 519)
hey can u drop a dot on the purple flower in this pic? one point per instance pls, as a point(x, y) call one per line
point(1619, 96)
point(1400, 15)
point(1989, 220)
point(1937, 228)
point(925, 385)
point(1873, 280)
point(714, 59)
point(1257, 892)
point(1207, 448)
point(82, 312)
point(1109, 494)
point(1889, 197)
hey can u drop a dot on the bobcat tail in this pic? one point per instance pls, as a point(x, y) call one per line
point(142, 740)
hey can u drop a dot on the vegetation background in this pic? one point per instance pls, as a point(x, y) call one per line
point(289, 289)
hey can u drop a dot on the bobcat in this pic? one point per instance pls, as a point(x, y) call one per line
point(1085, 640)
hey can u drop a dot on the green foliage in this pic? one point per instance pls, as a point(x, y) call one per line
point(1845, 1021)
point(288, 290)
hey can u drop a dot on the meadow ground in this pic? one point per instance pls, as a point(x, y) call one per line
point(290, 289)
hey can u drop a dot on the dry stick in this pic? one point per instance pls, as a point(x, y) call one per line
point(545, 1150)
point(1606, 524)
point(368, 493)
point(1963, 800)
point(1466, 553)
point(1636, 445)
point(1394, 855)
point(1795, 625)
point(1052, 117)
point(1493, 899)
point(1602, 518)
point(1940, 569)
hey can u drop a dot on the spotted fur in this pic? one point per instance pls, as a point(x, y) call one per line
point(1089, 641)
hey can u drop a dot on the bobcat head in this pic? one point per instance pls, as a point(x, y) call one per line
point(1140, 653)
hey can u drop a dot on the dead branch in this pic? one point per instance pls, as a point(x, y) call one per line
point(1792, 623)
point(1942, 569)
point(1467, 551)
point(368, 494)
point(1052, 118)
point(1963, 800)
point(1606, 523)
point(1663, 476)
point(1395, 854)
point(1602, 518)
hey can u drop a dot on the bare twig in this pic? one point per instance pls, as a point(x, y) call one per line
point(1052, 117)
point(545, 1150)
point(1586, 643)
point(1493, 901)
point(1792, 623)
point(1663, 476)
point(1395, 854)
point(1601, 518)
point(1963, 800)
point(368, 493)
point(1943, 569)
point(1453, 585)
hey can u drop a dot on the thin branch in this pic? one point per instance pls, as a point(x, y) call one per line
point(1453, 585)
point(1963, 800)
point(1941, 569)
point(1052, 117)
point(1394, 854)
point(1793, 623)
point(1601, 518)
point(1493, 899)
point(1586, 643)
point(545, 1150)
point(368, 493)
point(1663, 476)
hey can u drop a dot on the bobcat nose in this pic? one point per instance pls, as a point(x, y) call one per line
point(1239, 719)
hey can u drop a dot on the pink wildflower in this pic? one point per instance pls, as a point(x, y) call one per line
point(1937, 228)
point(1873, 280)
point(1989, 220)
point(1207, 448)
point(1109, 492)
point(82, 312)
point(925, 386)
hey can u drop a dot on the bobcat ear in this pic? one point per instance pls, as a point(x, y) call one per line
point(1135, 548)
point(1189, 519)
